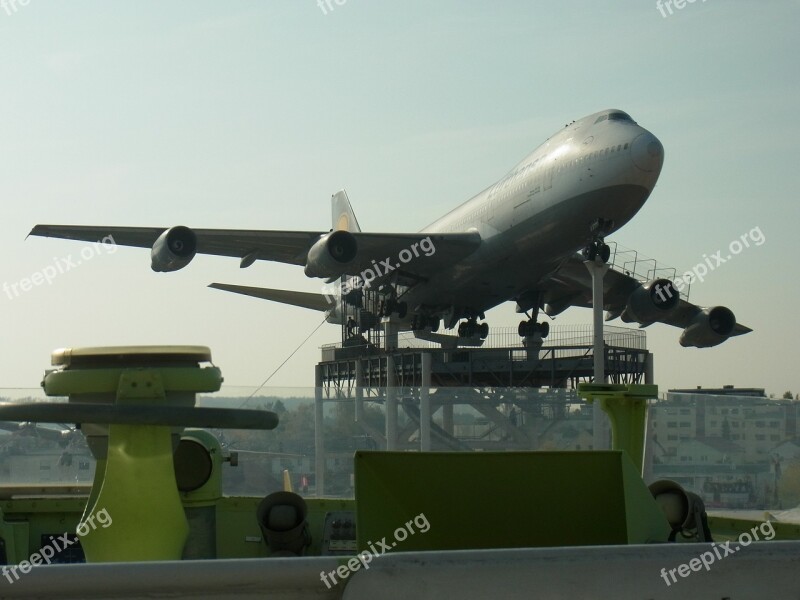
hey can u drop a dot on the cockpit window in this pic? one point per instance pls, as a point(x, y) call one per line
point(619, 116)
point(601, 118)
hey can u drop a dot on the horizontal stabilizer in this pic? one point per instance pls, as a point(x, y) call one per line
point(303, 299)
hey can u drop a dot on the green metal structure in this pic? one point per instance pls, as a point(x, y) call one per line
point(506, 500)
point(157, 499)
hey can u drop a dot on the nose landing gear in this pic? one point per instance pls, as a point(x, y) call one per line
point(597, 248)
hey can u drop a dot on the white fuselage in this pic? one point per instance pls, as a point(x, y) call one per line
point(541, 212)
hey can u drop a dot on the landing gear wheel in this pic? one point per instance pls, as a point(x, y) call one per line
point(597, 249)
point(544, 329)
point(470, 329)
point(523, 329)
point(484, 330)
point(386, 308)
point(530, 329)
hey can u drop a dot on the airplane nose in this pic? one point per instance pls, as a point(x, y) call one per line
point(647, 152)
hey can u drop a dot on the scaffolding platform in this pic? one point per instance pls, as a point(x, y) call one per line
point(563, 360)
point(556, 367)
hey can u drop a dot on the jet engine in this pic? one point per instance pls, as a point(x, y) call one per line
point(710, 327)
point(331, 254)
point(651, 302)
point(173, 250)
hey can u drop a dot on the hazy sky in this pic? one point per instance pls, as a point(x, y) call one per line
point(251, 114)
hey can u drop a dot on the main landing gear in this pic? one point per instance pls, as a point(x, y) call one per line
point(530, 328)
point(420, 322)
point(529, 304)
point(388, 304)
point(470, 329)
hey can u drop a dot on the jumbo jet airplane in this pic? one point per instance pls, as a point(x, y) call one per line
point(524, 238)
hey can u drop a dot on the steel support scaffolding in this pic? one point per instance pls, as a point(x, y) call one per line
point(516, 394)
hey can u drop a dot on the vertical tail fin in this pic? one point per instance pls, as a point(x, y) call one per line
point(343, 216)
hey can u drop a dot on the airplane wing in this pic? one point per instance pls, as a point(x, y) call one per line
point(425, 253)
point(571, 285)
point(281, 246)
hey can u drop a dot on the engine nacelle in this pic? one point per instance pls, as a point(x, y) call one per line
point(710, 327)
point(173, 250)
point(651, 302)
point(331, 254)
